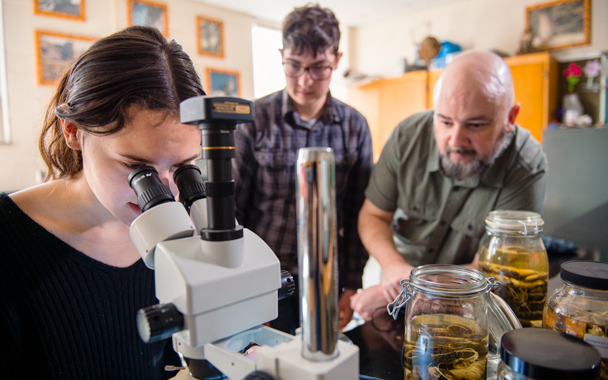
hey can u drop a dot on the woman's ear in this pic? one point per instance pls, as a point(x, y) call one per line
point(71, 133)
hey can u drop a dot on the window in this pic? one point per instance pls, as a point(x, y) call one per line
point(268, 74)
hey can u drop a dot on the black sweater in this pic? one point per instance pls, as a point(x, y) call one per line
point(64, 315)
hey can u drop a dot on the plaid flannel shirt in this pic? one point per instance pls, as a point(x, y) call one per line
point(265, 175)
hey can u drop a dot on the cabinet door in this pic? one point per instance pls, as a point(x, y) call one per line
point(365, 98)
point(528, 83)
point(400, 98)
point(534, 80)
point(433, 77)
point(386, 102)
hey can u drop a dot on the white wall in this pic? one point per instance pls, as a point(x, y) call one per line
point(371, 49)
point(19, 160)
point(474, 24)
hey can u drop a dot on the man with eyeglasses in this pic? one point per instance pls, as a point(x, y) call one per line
point(304, 114)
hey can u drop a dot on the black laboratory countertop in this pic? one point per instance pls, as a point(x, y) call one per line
point(380, 342)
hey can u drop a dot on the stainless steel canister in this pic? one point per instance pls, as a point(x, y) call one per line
point(317, 252)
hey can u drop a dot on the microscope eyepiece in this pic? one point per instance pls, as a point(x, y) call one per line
point(190, 184)
point(148, 187)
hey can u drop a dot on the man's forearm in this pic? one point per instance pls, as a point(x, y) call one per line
point(377, 237)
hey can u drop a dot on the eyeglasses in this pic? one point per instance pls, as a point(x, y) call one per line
point(316, 72)
point(384, 322)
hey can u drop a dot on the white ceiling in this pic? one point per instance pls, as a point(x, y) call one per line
point(348, 12)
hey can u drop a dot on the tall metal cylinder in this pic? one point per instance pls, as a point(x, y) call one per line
point(317, 252)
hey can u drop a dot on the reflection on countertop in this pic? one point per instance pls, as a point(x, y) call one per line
point(380, 343)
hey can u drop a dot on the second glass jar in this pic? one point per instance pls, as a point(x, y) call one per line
point(512, 251)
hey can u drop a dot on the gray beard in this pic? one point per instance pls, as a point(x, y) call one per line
point(460, 172)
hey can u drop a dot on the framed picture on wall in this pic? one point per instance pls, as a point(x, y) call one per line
point(559, 24)
point(144, 12)
point(210, 37)
point(55, 52)
point(223, 82)
point(73, 9)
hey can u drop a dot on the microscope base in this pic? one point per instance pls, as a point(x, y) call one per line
point(286, 362)
point(280, 355)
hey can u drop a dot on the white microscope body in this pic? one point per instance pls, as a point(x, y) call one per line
point(217, 283)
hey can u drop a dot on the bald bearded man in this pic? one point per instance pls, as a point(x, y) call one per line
point(441, 172)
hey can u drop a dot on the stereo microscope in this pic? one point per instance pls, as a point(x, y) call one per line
point(218, 283)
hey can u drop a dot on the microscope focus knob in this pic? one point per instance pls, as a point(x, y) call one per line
point(158, 322)
point(288, 285)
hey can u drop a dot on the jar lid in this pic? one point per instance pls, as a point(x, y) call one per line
point(589, 274)
point(544, 354)
point(523, 222)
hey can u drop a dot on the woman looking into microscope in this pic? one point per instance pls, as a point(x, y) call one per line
point(71, 279)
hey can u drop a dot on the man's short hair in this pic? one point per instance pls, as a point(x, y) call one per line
point(311, 28)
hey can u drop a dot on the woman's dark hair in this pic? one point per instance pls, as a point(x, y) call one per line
point(135, 66)
point(311, 28)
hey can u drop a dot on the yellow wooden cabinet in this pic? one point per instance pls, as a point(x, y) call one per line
point(535, 78)
point(386, 102)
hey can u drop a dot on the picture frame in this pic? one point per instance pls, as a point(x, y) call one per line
point(559, 24)
point(210, 37)
point(55, 52)
point(223, 82)
point(70, 9)
point(144, 12)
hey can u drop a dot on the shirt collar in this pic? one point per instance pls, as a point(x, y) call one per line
point(330, 113)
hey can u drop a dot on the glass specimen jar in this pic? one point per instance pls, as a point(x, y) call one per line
point(579, 306)
point(512, 251)
point(449, 318)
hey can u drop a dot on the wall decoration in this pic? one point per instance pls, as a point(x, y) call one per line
point(559, 24)
point(73, 9)
point(144, 12)
point(210, 35)
point(55, 52)
point(223, 82)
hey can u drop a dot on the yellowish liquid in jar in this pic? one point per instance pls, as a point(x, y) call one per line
point(523, 280)
point(443, 346)
point(579, 328)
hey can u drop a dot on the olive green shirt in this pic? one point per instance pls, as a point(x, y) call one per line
point(440, 219)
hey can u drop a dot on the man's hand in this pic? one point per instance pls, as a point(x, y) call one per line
point(368, 300)
point(345, 312)
point(391, 278)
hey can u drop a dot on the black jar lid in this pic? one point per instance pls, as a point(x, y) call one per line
point(589, 274)
point(544, 354)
